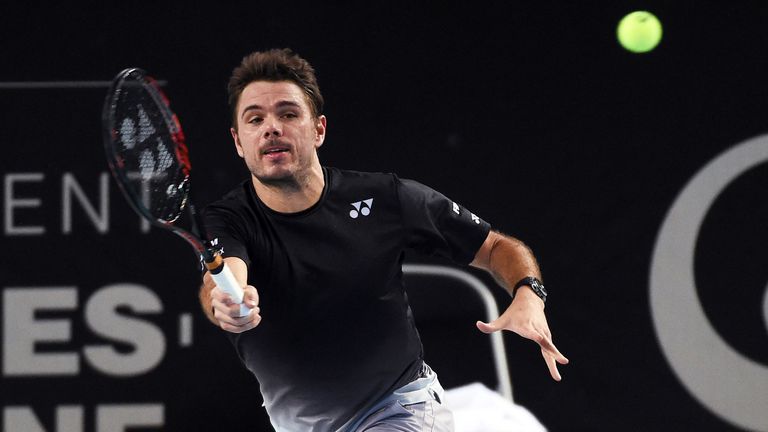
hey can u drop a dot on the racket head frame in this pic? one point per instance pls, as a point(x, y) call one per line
point(195, 236)
point(137, 76)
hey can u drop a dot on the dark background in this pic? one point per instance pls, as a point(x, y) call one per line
point(528, 113)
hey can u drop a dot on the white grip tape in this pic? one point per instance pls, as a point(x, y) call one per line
point(226, 281)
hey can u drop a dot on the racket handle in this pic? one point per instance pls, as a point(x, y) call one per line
point(226, 281)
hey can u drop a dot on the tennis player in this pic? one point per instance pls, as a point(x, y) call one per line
point(330, 335)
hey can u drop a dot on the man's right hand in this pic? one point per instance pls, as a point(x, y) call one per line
point(226, 311)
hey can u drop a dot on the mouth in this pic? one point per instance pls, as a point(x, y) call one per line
point(275, 149)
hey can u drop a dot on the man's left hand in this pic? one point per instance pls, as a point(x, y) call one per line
point(525, 316)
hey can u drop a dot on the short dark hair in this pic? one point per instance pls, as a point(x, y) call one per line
point(274, 65)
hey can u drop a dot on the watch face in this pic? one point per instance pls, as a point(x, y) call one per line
point(538, 288)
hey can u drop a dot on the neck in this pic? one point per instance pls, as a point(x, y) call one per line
point(291, 195)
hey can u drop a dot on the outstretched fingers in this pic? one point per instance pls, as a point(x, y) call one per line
point(549, 347)
point(552, 356)
point(551, 365)
point(537, 332)
point(487, 327)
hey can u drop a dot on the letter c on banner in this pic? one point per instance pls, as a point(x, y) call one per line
point(728, 383)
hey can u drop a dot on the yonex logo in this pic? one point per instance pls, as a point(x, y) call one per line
point(361, 208)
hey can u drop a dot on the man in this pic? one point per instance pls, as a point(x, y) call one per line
point(330, 336)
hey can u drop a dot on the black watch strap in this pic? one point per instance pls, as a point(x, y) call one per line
point(535, 285)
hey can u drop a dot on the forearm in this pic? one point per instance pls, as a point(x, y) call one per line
point(507, 259)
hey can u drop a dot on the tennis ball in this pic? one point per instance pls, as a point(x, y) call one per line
point(639, 31)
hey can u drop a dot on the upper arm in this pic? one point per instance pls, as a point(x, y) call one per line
point(435, 225)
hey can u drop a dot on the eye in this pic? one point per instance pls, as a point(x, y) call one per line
point(255, 120)
point(290, 115)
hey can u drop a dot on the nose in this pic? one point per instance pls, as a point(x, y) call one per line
point(272, 130)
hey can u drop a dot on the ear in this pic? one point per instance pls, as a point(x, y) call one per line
point(236, 139)
point(320, 128)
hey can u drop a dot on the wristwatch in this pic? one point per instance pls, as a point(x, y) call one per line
point(535, 285)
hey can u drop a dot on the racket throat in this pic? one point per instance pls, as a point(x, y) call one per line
point(210, 252)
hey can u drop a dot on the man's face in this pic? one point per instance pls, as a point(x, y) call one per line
point(277, 135)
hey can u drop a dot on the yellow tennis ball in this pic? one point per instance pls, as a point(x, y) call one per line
point(639, 31)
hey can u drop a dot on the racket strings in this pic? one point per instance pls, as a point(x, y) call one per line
point(149, 148)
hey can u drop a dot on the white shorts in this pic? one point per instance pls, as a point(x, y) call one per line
point(429, 416)
point(417, 406)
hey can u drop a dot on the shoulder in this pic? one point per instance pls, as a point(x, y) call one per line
point(236, 200)
point(341, 179)
point(403, 188)
point(376, 178)
point(351, 175)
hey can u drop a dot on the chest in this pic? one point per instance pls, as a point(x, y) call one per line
point(349, 248)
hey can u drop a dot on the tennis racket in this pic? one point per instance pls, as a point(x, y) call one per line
point(149, 159)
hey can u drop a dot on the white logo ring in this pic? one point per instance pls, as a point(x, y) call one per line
point(722, 379)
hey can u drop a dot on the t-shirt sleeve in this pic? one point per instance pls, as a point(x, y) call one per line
point(225, 229)
point(436, 225)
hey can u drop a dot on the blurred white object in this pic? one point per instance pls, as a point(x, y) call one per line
point(476, 408)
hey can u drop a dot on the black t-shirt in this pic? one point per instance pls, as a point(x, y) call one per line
point(337, 332)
